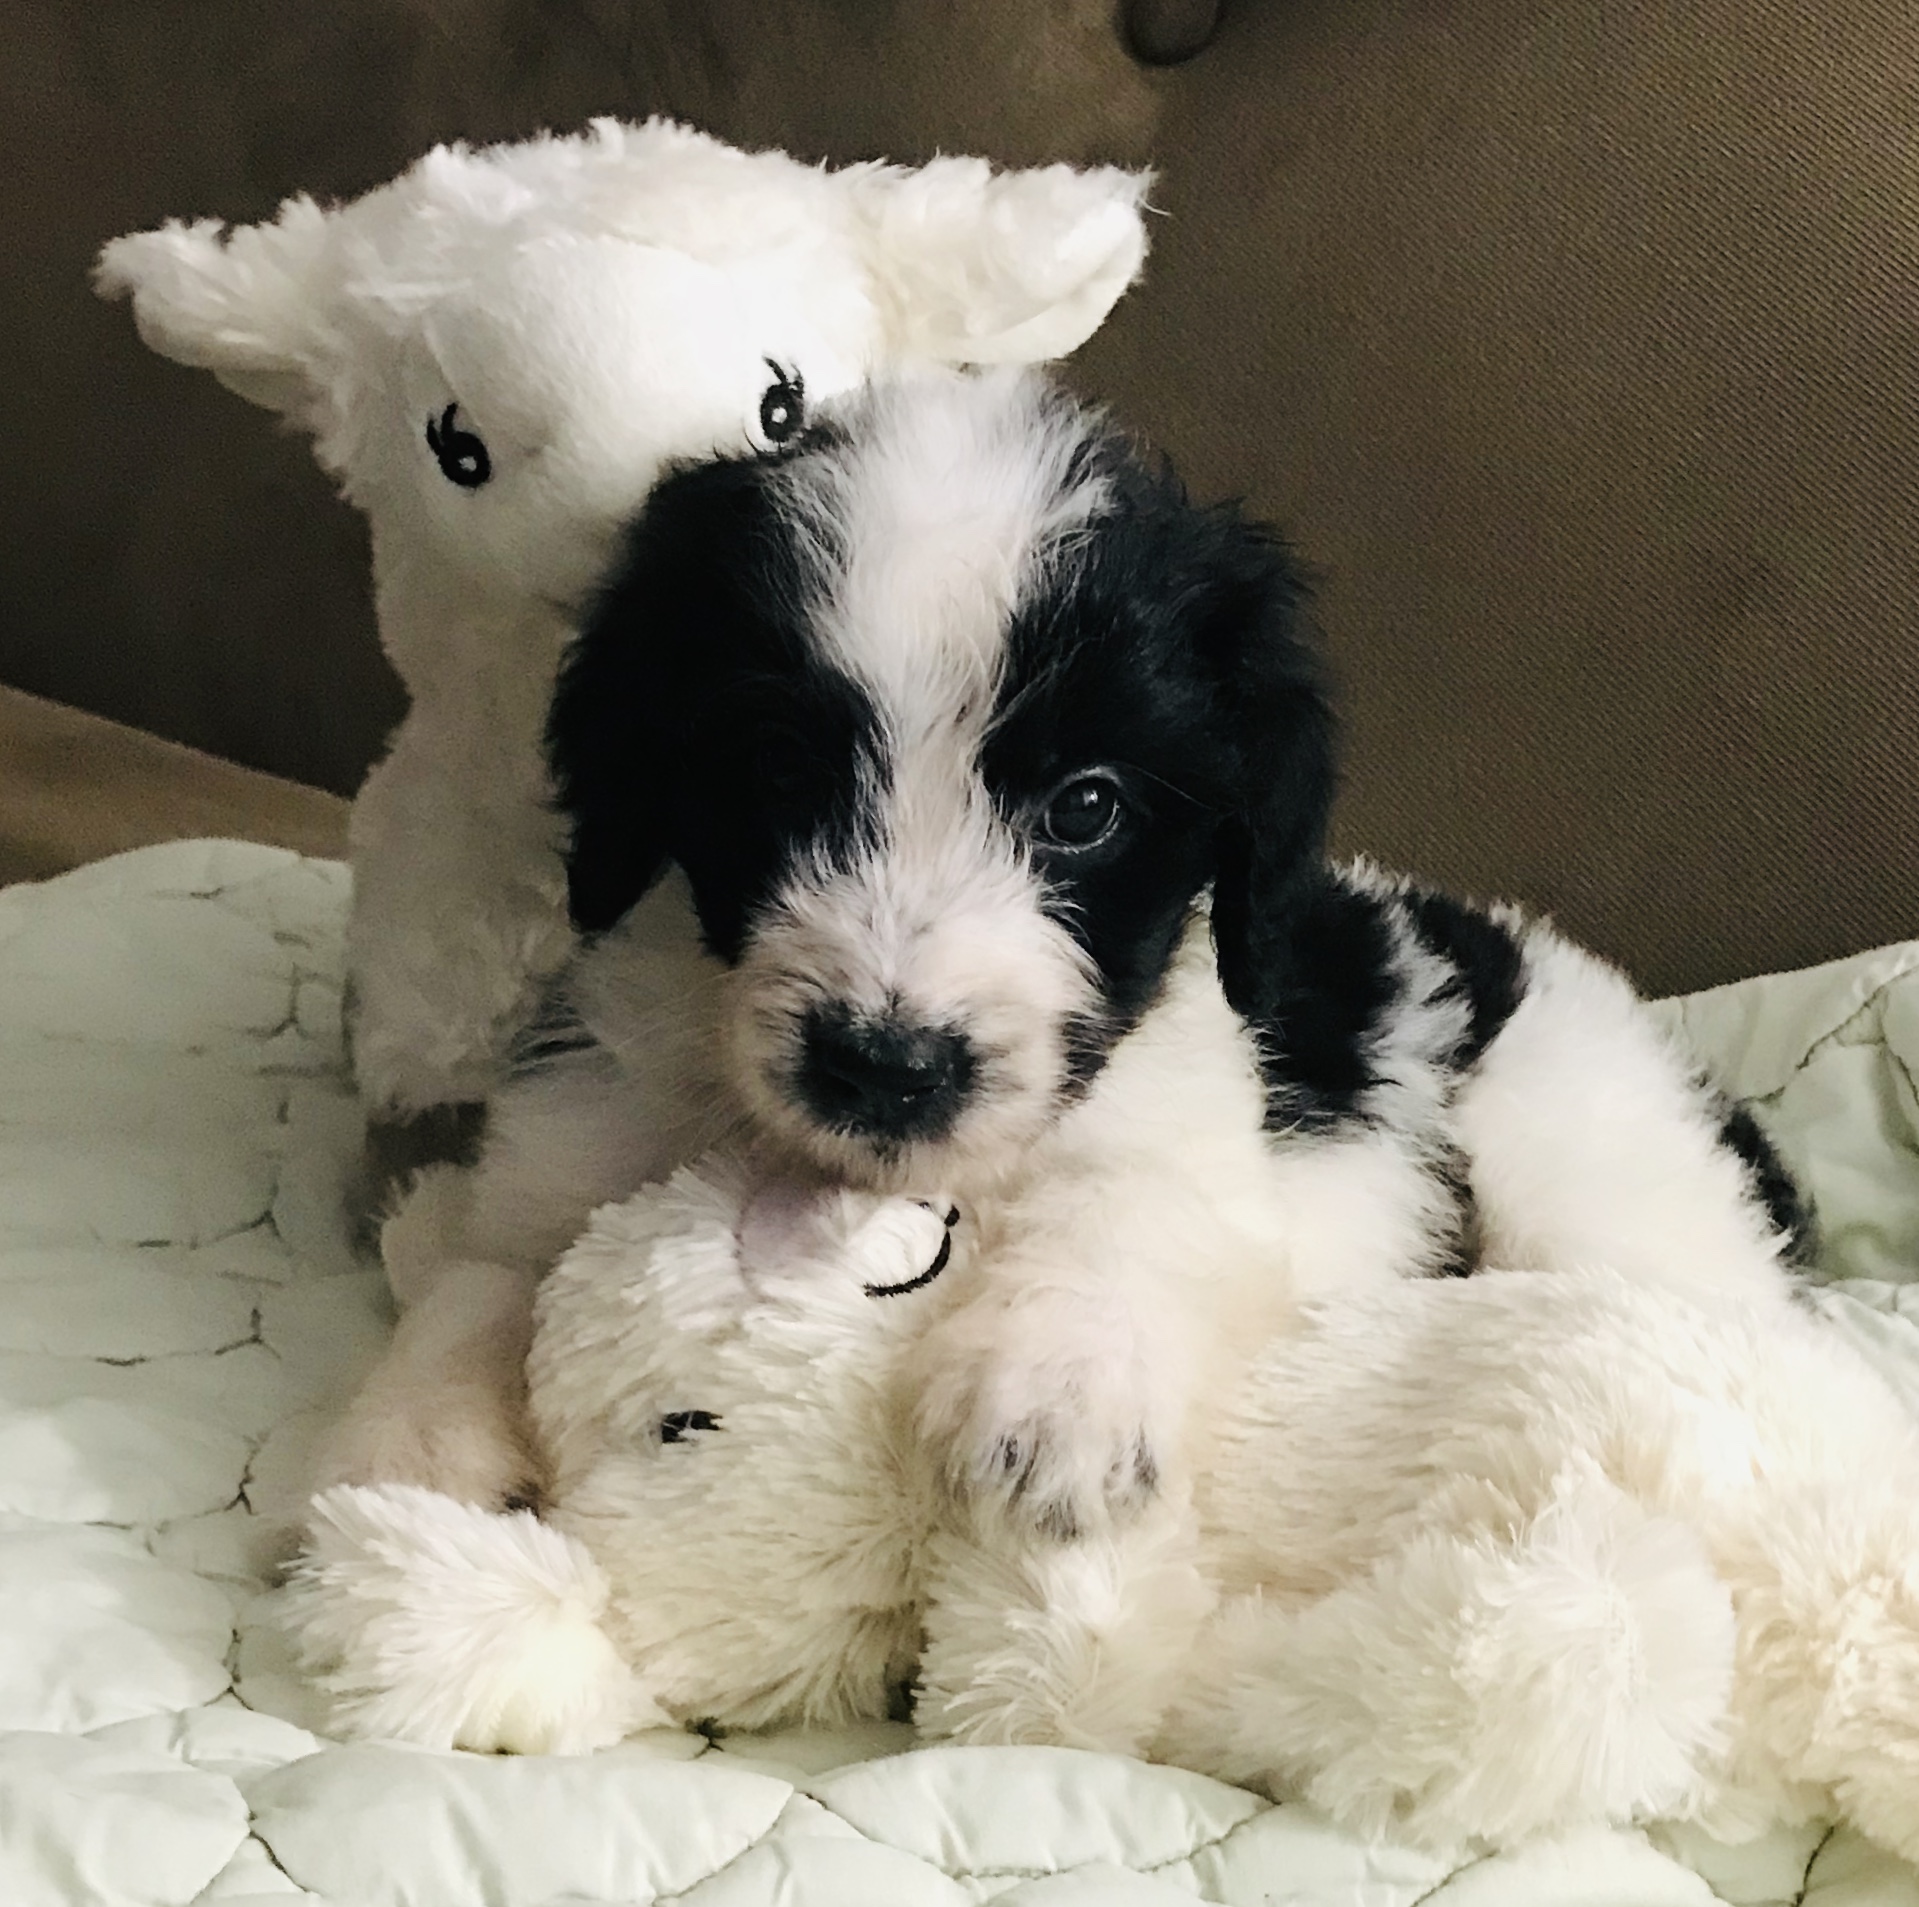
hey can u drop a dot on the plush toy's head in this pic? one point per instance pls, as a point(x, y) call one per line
point(716, 1382)
point(498, 352)
point(737, 1512)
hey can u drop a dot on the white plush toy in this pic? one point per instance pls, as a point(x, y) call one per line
point(1469, 1560)
point(497, 354)
point(735, 1511)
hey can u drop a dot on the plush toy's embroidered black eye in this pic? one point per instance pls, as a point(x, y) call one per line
point(677, 1424)
point(463, 458)
point(782, 406)
point(1083, 813)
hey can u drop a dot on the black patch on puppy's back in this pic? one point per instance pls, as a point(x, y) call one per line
point(1332, 988)
point(1488, 968)
point(1328, 988)
point(1771, 1181)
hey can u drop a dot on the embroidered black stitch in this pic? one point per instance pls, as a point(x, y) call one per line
point(675, 1425)
point(926, 1277)
point(463, 457)
point(783, 407)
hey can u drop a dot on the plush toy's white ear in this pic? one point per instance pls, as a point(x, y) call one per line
point(246, 306)
point(978, 267)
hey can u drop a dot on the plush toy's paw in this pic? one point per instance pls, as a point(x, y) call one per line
point(466, 1448)
point(1028, 1410)
point(1072, 1645)
point(429, 1621)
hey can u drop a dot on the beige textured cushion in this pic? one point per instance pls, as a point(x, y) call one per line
point(74, 787)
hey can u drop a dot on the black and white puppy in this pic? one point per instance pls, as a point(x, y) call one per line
point(947, 805)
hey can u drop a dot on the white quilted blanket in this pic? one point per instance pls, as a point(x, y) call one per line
point(179, 1307)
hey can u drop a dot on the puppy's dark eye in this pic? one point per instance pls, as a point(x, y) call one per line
point(782, 406)
point(463, 458)
point(1085, 812)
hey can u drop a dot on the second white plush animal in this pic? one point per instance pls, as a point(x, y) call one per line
point(497, 355)
point(1466, 1561)
point(737, 1508)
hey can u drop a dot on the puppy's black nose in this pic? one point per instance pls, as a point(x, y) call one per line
point(882, 1078)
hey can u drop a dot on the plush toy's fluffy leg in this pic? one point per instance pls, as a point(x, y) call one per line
point(458, 898)
point(445, 1408)
point(1078, 1645)
point(1480, 1690)
point(1828, 1684)
point(429, 1621)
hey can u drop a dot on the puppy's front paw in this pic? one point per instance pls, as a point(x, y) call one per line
point(1057, 1435)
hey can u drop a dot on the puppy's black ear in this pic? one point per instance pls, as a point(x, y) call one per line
point(648, 710)
point(1279, 724)
point(603, 762)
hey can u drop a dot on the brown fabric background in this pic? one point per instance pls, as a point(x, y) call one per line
point(1574, 345)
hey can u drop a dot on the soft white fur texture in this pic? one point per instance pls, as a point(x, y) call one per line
point(1659, 1551)
point(457, 1628)
point(1138, 1233)
point(1462, 1561)
point(689, 1297)
point(1152, 1232)
point(596, 307)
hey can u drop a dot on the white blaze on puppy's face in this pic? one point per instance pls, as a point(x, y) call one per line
point(936, 715)
point(918, 964)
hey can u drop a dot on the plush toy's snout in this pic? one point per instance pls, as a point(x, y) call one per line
point(780, 1211)
point(787, 1231)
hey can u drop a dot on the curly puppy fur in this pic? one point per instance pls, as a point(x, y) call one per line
point(997, 773)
